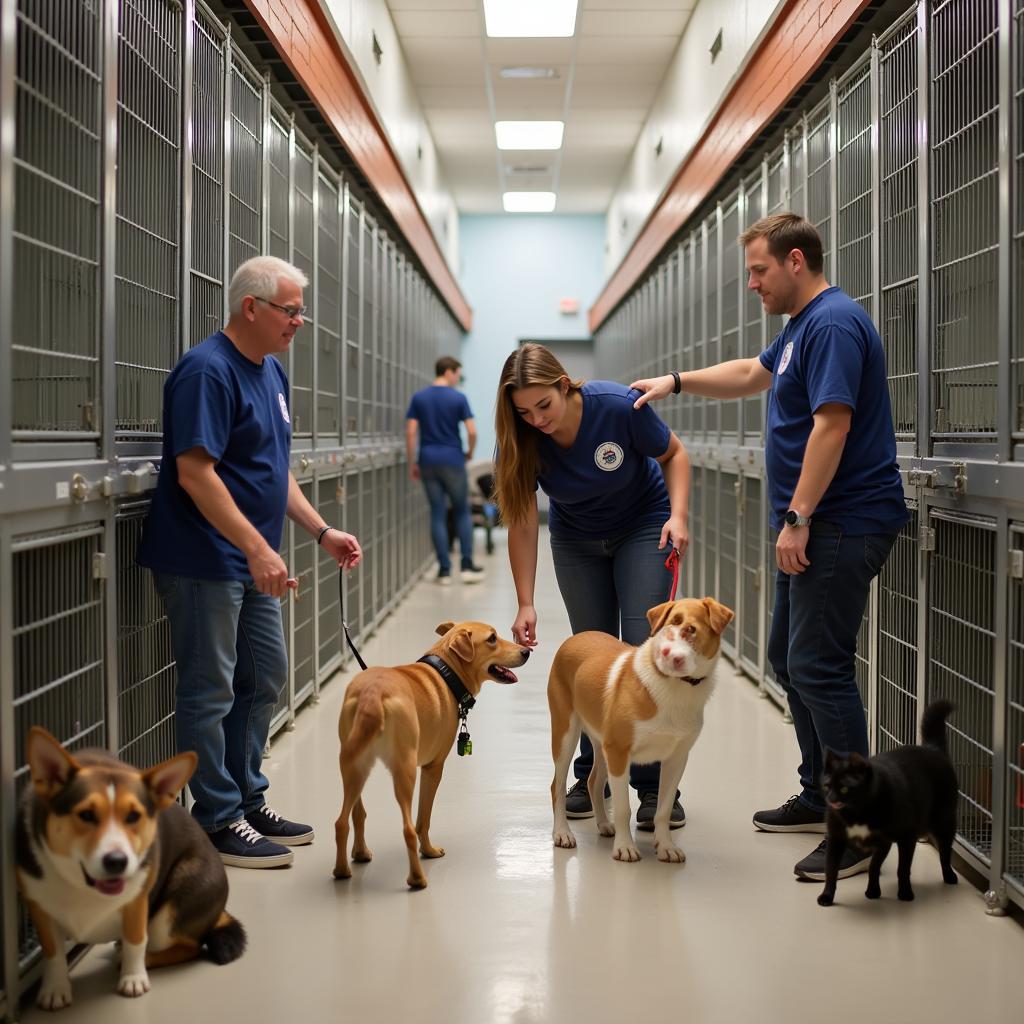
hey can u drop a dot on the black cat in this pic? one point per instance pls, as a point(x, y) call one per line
point(896, 797)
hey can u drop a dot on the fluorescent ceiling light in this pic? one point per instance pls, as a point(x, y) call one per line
point(529, 134)
point(522, 18)
point(528, 72)
point(528, 202)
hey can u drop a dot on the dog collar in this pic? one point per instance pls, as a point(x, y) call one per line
point(693, 680)
point(463, 697)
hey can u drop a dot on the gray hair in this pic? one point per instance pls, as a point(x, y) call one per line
point(261, 277)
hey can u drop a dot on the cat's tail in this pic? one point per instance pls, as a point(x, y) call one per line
point(933, 723)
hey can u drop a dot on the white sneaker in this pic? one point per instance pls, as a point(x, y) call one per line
point(474, 574)
point(443, 579)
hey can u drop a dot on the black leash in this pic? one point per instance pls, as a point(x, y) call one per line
point(344, 624)
point(463, 698)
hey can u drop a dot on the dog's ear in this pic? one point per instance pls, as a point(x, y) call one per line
point(718, 614)
point(657, 616)
point(50, 765)
point(444, 627)
point(166, 780)
point(462, 645)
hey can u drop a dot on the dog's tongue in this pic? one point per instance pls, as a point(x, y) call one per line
point(110, 886)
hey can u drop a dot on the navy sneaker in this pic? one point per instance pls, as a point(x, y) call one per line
point(271, 825)
point(577, 800)
point(793, 816)
point(812, 867)
point(241, 846)
point(649, 804)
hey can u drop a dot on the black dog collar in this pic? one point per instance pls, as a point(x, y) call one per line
point(463, 697)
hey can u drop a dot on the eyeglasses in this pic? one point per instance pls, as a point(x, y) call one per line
point(292, 312)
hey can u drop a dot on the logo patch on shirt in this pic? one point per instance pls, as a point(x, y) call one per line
point(608, 456)
point(284, 407)
point(787, 354)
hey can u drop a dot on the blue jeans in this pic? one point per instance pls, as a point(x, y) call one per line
point(813, 645)
point(445, 484)
point(232, 662)
point(609, 585)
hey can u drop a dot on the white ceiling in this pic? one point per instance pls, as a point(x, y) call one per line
point(608, 77)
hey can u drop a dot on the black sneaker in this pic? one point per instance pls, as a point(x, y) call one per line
point(241, 846)
point(472, 573)
point(649, 804)
point(577, 800)
point(812, 867)
point(793, 816)
point(444, 577)
point(271, 825)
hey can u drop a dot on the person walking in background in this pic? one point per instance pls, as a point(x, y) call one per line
point(835, 492)
point(619, 483)
point(211, 540)
point(434, 414)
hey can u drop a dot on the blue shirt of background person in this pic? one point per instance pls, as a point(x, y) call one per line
point(831, 352)
point(607, 481)
point(237, 411)
point(439, 409)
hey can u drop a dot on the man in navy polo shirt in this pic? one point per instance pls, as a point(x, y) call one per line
point(212, 538)
point(835, 491)
point(435, 413)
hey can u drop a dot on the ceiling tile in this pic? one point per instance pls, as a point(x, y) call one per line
point(625, 23)
point(629, 50)
point(437, 24)
point(432, 5)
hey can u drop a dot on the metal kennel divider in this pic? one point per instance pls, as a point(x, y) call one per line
point(148, 157)
point(898, 161)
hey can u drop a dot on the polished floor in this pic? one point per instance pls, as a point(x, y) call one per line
point(512, 930)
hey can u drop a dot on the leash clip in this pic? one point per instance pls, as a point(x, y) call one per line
point(464, 745)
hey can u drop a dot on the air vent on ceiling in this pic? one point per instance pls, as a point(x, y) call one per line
point(528, 72)
point(528, 169)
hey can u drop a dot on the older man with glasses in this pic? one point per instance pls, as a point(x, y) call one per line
point(212, 540)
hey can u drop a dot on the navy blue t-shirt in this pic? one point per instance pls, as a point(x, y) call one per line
point(831, 352)
point(606, 482)
point(439, 410)
point(218, 400)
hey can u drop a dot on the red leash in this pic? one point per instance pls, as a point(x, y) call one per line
point(672, 564)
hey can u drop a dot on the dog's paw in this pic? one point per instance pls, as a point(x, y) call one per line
point(55, 991)
point(342, 871)
point(873, 892)
point(132, 985)
point(362, 854)
point(626, 852)
point(606, 829)
point(669, 853)
point(565, 839)
point(906, 894)
point(416, 881)
point(430, 852)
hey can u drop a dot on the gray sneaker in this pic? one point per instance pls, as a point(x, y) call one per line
point(812, 867)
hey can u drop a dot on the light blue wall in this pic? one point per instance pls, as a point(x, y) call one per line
point(514, 269)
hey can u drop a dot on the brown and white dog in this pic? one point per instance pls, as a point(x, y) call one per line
point(105, 853)
point(407, 717)
point(638, 705)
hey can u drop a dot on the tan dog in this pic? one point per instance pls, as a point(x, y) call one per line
point(638, 705)
point(407, 717)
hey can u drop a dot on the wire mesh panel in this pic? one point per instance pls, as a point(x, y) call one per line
point(751, 575)
point(303, 256)
point(752, 311)
point(897, 642)
point(352, 514)
point(206, 258)
point(728, 549)
point(898, 228)
point(684, 303)
point(369, 323)
point(328, 308)
point(775, 183)
point(353, 317)
point(246, 214)
point(278, 188)
point(378, 335)
point(961, 651)
point(819, 175)
point(303, 653)
point(148, 209)
point(853, 169)
point(1017, 337)
point(329, 492)
point(388, 344)
point(1015, 725)
point(862, 664)
point(964, 135)
point(146, 675)
point(713, 407)
point(731, 297)
point(710, 496)
point(797, 170)
point(698, 349)
point(57, 154)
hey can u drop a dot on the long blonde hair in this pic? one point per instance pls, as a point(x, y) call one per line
point(517, 464)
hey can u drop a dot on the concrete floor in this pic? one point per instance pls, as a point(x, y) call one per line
point(513, 931)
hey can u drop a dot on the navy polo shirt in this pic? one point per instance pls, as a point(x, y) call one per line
point(831, 352)
point(606, 482)
point(237, 411)
point(439, 410)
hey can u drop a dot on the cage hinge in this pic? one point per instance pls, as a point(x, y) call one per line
point(926, 538)
point(941, 420)
point(1016, 567)
point(921, 477)
point(99, 566)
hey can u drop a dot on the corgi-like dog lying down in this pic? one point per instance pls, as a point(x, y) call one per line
point(638, 705)
point(105, 853)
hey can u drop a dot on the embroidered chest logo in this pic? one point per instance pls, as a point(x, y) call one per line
point(284, 407)
point(608, 456)
point(787, 354)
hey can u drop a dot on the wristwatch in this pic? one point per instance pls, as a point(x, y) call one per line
point(793, 518)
